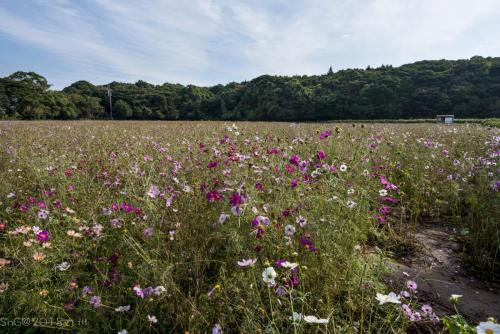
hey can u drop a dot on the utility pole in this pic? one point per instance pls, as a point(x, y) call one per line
point(110, 92)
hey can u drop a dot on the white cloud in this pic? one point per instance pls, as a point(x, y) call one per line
point(207, 42)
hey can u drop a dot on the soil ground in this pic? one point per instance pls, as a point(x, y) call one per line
point(437, 268)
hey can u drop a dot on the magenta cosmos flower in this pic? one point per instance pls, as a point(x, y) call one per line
point(236, 199)
point(43, 236)
point(214, 195)
point(325, 134)
point(294, 159)
point(307, 243)
point(212, 164)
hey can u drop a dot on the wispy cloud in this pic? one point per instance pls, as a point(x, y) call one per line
point(207, 42)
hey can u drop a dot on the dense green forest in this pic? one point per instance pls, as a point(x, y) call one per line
point(466, 88)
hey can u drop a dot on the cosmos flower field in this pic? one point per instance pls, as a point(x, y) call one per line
point(213, 227)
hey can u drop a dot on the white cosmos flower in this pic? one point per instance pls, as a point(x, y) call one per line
point(351, 204)
point(125, 308)
point(290, 265)
point(390, 298)
point(290, 230)
point(382, 192)
point(159, 290)
point(296, 316)
point(488, 327)
point(308, 318)
point(266, 207)
point(268, 276)
point(63, 266)
point(314, 320)
point(301, 221)
point(152, 319)
point(222, 218)
point(237, 211)
point(454, 298)
point(343, 167)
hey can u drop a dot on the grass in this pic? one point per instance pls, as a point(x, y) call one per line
point(136, 209)
point(493, 122)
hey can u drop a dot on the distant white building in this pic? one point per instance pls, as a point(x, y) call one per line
point(445, 119)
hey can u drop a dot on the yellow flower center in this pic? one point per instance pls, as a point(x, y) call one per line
point(489, 331)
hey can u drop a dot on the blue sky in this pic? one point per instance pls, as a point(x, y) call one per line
point(210, 42)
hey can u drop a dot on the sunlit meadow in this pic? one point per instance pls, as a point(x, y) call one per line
point(212, 227)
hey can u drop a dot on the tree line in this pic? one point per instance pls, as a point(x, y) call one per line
point(467, 88)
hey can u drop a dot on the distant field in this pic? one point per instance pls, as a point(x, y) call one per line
point(200, 227)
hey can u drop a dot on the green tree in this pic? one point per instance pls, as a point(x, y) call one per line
point(88, 107)
point(122, 110)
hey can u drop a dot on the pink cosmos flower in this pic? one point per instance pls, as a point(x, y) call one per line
point(86, 291)
point(321, 155)
point(426, 309)
point(148, 232)
point(95, 301)
point(138, 291)
point(404, 294)
point(411, 285)
point(153, 191)
point(247, 262)
point(407, 310)
point(115, 222)
point(289, 168)
point(274, 150)
point(380, 218)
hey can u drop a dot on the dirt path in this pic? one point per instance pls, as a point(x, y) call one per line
point(437, 269)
